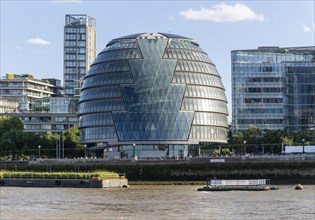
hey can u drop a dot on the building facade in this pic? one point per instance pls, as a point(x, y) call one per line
point(38, 103)
point(273, 88)
point(8, 105)
point(53, 114)
point(79, 50)
point(24, 88)
point(152, 92)
point(35, 122)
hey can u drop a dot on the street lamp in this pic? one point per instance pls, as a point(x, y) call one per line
point(303, 141)
point(39, 151)
point(228, 145)
point(244, 147)
point(133, 149)
point(84, 150)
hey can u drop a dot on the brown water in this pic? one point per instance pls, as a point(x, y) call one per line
point(156, 202)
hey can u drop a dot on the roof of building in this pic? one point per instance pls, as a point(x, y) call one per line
point(277, 49)
point(150, 36)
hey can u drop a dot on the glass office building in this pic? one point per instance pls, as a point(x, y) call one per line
point(153, 91)
point(79, 50)
point(273, 88)
point(55, 105)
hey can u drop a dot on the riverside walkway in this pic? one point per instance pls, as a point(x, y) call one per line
point(186, 160)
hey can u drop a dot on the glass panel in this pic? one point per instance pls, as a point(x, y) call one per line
point(193, 66)
point(197, 78)
point(107, 79)
point(152, 48)
point(205, 92)
point(102, 106)
point(153, 126)
point(100, 92)
point(154, 72)
point(204, 118)
point(98, 133)
point(96, 119)
point(111, 66)
point(118, 55)
point(193, 104)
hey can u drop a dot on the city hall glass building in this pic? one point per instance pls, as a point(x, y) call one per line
point(152, 92)
point(273, 88)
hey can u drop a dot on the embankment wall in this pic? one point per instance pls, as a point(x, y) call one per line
point(281, 171)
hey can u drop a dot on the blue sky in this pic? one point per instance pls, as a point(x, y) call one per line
point(32, 31)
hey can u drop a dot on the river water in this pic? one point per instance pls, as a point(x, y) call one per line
point(156, 202)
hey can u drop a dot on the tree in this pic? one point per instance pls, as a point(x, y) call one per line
point(287, 140)
point(272, 140)
point(307, 135)
point(31, 143)
point(250, 138)
point(11, 135)
point(73, 147)
point(48, 144)
point(8, 123)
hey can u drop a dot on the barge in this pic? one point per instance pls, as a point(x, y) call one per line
point(238, 185)
point(70, 179)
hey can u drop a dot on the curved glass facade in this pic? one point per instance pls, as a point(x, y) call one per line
point(156, 89)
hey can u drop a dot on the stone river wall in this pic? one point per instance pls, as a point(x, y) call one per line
point(280, 169)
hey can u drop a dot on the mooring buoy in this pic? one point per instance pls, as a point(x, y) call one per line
point(299, 187)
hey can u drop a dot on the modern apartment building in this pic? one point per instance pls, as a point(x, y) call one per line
point(79, 50)
point(273, 88)
point(38, 103)
point(24, 88)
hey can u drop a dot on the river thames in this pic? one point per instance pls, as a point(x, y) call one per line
point(156, 202)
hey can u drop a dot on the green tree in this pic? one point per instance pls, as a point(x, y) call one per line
point(73, 148)
point(307, 135)
point(287, 140)
point(11, 136)
point(272, 140)
point(48, 143)
point(250, 139)
point(31, 143)
point(8, 123)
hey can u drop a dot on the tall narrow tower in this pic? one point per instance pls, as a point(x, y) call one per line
point(79, 51)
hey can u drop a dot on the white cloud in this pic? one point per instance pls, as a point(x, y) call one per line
point(223, 13)
point(18, 47)
point(308, 28)
point(171, 17)
point(38, 41)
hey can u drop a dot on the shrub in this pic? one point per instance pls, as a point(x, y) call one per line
point(59, 175)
